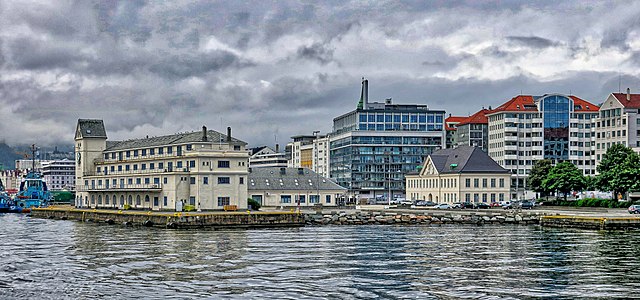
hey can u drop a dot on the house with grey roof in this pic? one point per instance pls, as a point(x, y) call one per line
point(460, 174)
point(293, 187)
point(206, 170)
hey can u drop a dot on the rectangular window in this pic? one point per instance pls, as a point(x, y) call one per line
point(192, 164)
point(314, 199)
point(302, 199)
point(152, 166)
point(192, 200)
point(222, 201)
point(192, 180)
point(135, 167)
point(160, 150)
point(501, 197)
point(493, 182)
point(224, 180)
point(179, 164)
point(156, 180)
point(135, 153)
point(327, 199)
point(128, 153)
point(484, 182)
point(501, 182)
point(160, 165)
point(493, 197)
point(147, 180)
point(205, 180)
point(164, 180)
point(285, 198)
point(467, 182)
point(241, 180)
point(476, 182)
point(164, 200)
point(138, 181)
point(223, 164)
point(155, 201)
point(144, 152)
point(169, 150)
point(152, 151)
point(484, 197)
point(127, 167)
point(467, 197)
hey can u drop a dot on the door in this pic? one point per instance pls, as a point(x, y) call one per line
point(178, 205)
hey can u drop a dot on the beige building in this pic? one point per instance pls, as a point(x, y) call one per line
point(461, 174)
point(293, 187)
point(205, 169)
point(618, 122)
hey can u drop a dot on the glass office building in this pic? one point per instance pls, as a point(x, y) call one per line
point(372, 148)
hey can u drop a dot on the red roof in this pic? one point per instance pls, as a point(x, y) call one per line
point(633, 103)
point(477, 118)
point(454, 119)
point(582, 105)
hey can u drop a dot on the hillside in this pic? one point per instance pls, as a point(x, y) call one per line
point(8, 156)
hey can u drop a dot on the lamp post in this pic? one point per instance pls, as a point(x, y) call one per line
point(315, 163)
point(388, 154)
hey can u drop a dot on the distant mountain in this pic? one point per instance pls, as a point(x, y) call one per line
point(8, 156)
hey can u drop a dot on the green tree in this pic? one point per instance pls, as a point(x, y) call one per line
point(564, 177)
point(538, 173)
point(618, 170)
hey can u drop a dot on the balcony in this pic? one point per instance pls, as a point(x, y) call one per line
point(120, 188)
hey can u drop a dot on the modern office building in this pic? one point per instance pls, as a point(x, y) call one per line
point(59, 174)
point(375, 145)
point(474, 130)
point(618, 122)
point(293, 187)
point(265, 157)
point(460, 174)
point(205, 169)
point(553, 126)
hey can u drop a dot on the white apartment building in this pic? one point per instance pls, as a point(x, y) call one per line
point(310, 151)
point(59, 174)
point(618, 123)
point(207, 170)
point(530, 128)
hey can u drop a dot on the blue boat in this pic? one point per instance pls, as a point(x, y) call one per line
point(33, 191)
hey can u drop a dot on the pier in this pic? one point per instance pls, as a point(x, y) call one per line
point(214, 219)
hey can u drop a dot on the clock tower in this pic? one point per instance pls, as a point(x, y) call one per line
point(90, 142)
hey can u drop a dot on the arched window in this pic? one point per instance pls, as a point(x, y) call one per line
point(138, 200)
point(99, 199)
point(106, 199)
point(146, 198)
point(93, 199)
point(121, 199)
point(130, 200)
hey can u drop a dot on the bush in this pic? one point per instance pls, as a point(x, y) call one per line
point(592, 202)
point(255, 205)
point(189, 207)
point(127, 207)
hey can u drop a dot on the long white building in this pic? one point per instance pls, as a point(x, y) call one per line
point(206, 169)
point(618, 123)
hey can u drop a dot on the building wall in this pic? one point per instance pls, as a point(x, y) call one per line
point(616, 125)
point(451, 188)
point(275, 198)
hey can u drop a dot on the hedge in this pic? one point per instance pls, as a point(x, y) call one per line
point(591, 202)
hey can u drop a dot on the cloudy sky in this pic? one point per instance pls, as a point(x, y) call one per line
point(272, 69)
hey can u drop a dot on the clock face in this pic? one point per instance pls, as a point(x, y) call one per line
point(78, 155)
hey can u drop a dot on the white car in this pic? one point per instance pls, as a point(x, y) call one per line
point(442, 206)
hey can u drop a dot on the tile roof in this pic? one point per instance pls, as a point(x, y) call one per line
point(583, 106)
point(478, 118)
point(467, 160)
point(633, 103)
point(174, 139)
point(274, 178)
point(88, 128)
point(452, 119)
point(518, 103)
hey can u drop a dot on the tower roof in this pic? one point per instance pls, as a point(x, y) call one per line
point(90, 128)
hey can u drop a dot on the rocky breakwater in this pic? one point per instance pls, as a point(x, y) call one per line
point(422, 218)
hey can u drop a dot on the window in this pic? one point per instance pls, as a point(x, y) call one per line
point(285, 198)
point(164, 179)
point(146, 198)
point(327, 199)
point(164, 200)
point(484, 197)
point(476, 182)
point(314, 199)
point(151, 151)
point(205, 180)
point(192, 200)
point(147, 180)
point(192, 164)
point(223, 164)
point(151, 166)
point(138, 200)
point(155, 201)
point(493, 182)
point(225, 180)
point(222, 201)
point(169, 150)
point(501, 183)
point(467, 182)
point(135, 153)
point(138, 181)
point(160, 165)
point(160, 150)
point(144, 152)
point(501, 197)
point(484, 182)
point(156, 180)
point(192, 180)
point(493, 197)
point(179, 164)
point(135, 167)
point(302, 199)
point(467, 197)
point(128, 153)
point(127, 168)
point(241, 180)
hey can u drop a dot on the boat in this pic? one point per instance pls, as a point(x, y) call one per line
point(5, 200)
point(33, 191)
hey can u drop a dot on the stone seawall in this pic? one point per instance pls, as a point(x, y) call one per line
point(425, 218)
point(174, 220)
point(598, 223)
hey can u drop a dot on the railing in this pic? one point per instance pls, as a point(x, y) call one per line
point(119, 187)
point(137, 172)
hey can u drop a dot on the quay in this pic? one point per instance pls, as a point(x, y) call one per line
point(586, 222)
point(213, 219)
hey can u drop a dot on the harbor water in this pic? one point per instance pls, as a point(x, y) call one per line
point(54, 259)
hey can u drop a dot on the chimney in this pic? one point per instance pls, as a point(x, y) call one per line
point(204, 133)
point(387, 101)
point(489, 107)
point(277, 148)
point(628, 94)
point(366, 93)
point(228, 134)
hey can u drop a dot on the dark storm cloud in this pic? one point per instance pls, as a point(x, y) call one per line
point(187, 65)
point(31, 55)
point(317, 52)
point(531, 41)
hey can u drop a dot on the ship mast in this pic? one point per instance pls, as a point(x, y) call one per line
point(33, 157)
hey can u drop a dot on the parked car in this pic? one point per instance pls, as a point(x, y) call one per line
point(494, 204)
point(442, 206)
point(406, 202)
point(456, 205)
point(425, 203)
point(526, 205)
point(481, 205)
point(634, 209)
point(507, 205)
point(467, 205)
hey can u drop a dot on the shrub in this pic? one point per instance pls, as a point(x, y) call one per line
point(127, 207)
point(189, 207)
point(592, 202)
point(255, 205)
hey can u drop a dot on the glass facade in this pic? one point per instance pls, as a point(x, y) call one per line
point(555, 113)
point(383, 146)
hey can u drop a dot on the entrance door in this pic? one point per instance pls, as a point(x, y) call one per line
point(178, 205)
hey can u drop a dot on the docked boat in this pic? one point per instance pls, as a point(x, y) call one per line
point(33, 191)
point(5, 200)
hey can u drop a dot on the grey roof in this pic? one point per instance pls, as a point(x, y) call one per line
point(289, 179)
point(468, 160)
point(174, 139)
point(88, 128)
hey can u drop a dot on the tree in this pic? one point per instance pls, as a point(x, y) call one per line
point(564, 177)
point(618, 170)
point(538, 173)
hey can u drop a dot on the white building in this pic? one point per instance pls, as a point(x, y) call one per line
point(265, 157)
point(618, 122)
point(59, 174)
point(293, 187)
point(530, 128)
point(206, 169)
point(310, 151)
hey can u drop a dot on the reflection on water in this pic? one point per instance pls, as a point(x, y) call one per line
point(46, 259)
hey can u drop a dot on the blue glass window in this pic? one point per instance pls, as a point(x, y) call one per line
point(430, 118)
point(405, 118)
point(371, 118)
point(363, 117)
point(396, 118)
point(362, 126)
point(423, 118)
point(414, 118)
point(371, 127)
point(438, 118)
point(380, 127)
point(379, 117)
point(388, 118)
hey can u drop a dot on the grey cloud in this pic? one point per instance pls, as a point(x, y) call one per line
point(31, 55)
point(531, 41)
point(187, 65)
point(317, 52)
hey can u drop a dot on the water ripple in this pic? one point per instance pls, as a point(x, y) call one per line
point(46, 259)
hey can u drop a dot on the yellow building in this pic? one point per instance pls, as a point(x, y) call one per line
point(461, 174)
point(206, 169)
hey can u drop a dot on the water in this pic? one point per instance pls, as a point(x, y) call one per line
point(48, 259)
